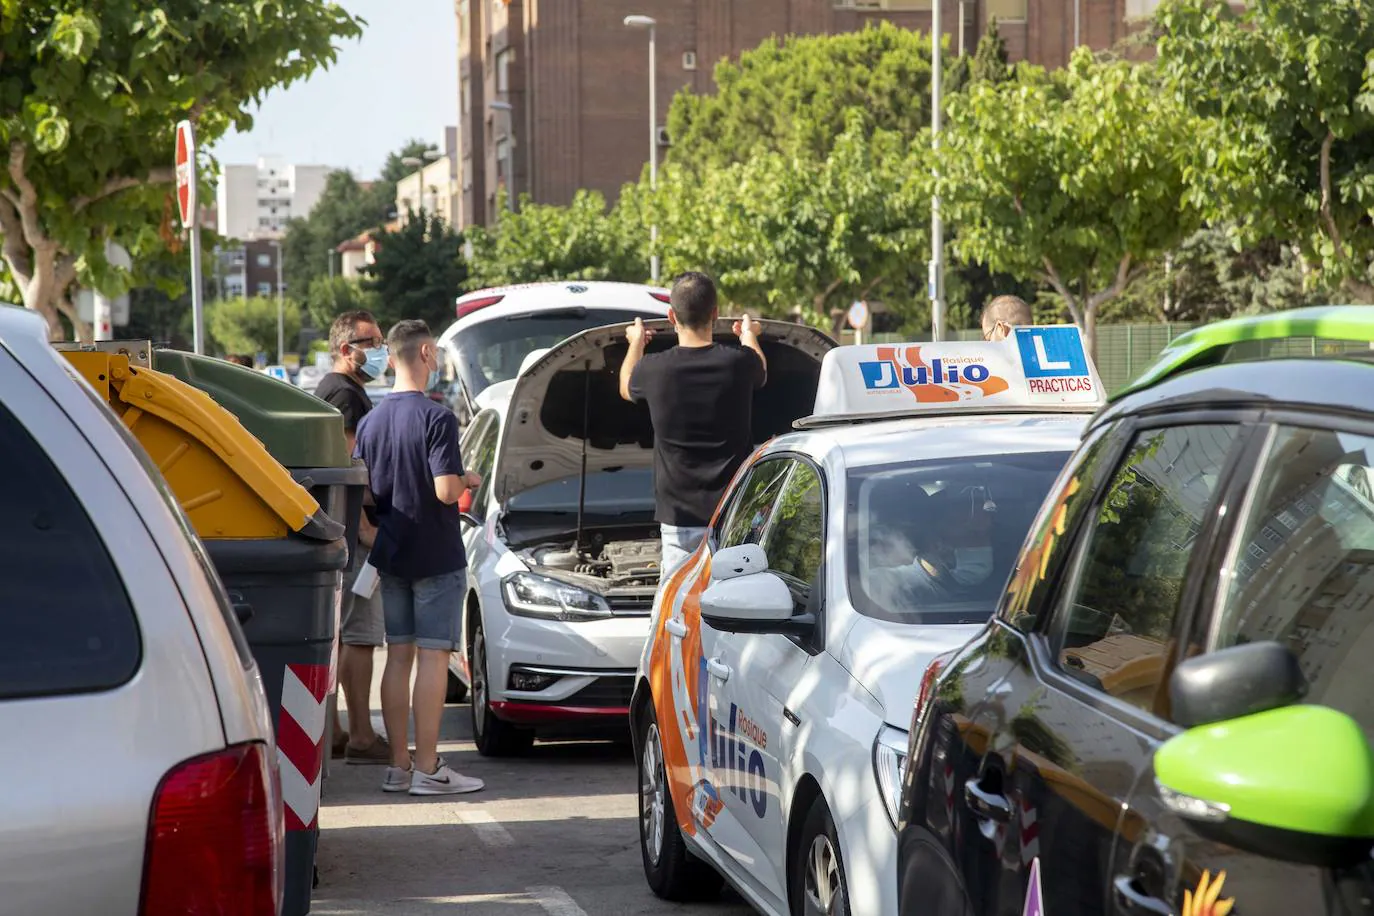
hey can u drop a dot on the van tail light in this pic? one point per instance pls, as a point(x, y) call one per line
point(472, 305)
point(927, 692)
point(216, 839)
point(662, 297)
point(465, 501)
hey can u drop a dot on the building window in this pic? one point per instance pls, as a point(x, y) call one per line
point(264, 260)
point(503, 62)
point(1140, 8)
point(1009, 10)
point(264, 289)
point(502, 154)
point(465, 96)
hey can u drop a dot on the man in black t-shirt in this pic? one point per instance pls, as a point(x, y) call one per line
point(360, 355)
point(700, 396)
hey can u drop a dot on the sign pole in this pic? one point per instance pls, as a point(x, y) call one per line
point(190, 220)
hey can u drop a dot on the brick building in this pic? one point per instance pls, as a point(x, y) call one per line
point(556, 91)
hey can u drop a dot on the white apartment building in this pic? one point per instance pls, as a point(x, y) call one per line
point(255, 201)
point(433, 187)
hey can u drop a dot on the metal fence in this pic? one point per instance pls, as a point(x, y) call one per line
point(1124, 351)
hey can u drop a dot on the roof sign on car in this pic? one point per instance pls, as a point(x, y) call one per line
point(1035, 369)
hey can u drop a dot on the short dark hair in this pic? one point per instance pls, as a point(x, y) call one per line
point(1011, 309)
point(343, 328)
point(694, 300)
point(405, 338)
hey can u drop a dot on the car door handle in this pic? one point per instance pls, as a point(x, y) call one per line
point(719, 670)
point(1132, 901)
point(987, 805)
point(675, 627)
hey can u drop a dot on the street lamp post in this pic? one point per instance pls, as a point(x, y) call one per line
point(648, 22)
point(281, 311)
point(509, 109)
point(937, 229)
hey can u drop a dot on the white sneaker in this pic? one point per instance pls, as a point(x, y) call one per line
point(397, 779)
point(443, 781)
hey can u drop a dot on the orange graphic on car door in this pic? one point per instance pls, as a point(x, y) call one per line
point(1203, 901)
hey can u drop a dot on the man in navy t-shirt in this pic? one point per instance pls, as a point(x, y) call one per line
point(410, 445)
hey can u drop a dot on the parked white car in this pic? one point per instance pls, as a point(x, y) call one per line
point(498, 328)
point(775, 693)
point(121, 648)
point(563, 550)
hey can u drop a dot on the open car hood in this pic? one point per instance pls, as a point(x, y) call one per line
point(572, 392)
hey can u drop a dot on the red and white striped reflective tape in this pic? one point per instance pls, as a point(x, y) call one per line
point(1030, 832)
point(300, 740)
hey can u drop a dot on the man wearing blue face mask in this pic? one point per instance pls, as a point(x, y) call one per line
point(355, 342)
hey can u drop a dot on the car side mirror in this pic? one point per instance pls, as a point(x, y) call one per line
point(741, 560)
point(1294, 784)
point(1234, 682)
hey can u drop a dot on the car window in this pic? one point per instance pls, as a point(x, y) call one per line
point(479, 454)
point(1116, 620)
point(933, 541)
point(69, 625)
point(1303, 568)
point(752, 503)
point(792, 536)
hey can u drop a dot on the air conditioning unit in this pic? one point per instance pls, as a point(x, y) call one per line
point(689, 60)
point(663, 137)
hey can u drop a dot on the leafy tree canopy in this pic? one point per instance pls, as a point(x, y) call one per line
point(1285, 95)
point(1074, 179)
point(330, 297)
point(795, 95)
point(249, 325)
point(578, 242)
point(418, 272)
point(89, 94)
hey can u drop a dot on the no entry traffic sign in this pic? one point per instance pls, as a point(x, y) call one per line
point(186, 173)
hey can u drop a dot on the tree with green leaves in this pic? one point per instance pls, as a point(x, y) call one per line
point(794, 95)
point(581, 241)
point(990, 57)
point(249, 324)
point(418, 272)
point(1074, 179)
point(330, 297)
point(782, 232)
point(88, 102)
point(1284, 91)
point(345, 209)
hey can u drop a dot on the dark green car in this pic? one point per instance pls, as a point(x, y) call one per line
point(1171, 712)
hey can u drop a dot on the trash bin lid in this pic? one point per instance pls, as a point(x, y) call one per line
point(225, 479)
point(298, 429)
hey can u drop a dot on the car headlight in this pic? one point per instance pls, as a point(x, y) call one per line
point(531, 595)
point(889, 767)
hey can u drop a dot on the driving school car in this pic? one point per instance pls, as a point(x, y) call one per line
point(772, 699)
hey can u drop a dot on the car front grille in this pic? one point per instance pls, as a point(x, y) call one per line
point(631, 605)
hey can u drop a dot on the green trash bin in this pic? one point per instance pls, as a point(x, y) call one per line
point(293, 585)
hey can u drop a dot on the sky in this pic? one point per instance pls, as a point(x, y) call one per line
point(399, 81)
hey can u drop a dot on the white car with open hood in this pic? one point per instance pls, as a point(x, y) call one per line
point(775, 694)
point(563, 550)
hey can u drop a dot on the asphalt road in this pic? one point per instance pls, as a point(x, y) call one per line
point(553, 833)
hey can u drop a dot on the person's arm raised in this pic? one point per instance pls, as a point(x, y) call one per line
point(747, 330)
point(637, 336)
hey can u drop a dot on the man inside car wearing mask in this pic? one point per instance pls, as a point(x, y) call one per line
point(360, 356)
point(952, 544)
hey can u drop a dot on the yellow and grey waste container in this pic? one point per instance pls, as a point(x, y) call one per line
point(278, 553)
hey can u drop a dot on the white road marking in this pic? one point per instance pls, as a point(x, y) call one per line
point(555, 901)
point(486, 828)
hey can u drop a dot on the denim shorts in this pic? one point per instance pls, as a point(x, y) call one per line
point(426, 612)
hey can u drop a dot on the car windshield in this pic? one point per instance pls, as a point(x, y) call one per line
point(625, 492)
point(492, 351)
point(934, 541)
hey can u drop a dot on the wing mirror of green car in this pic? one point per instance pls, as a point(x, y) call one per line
point(1291, 782)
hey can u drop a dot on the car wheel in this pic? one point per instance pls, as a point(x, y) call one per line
point(672, 871)
point(493, 737)
point(457, 691)
point(818, 883)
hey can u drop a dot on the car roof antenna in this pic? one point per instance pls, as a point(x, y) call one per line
point(586, 433)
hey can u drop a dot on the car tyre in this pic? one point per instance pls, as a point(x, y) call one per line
point(672, 871)
point(457, 691)
point(493, 737)
point(818, 884)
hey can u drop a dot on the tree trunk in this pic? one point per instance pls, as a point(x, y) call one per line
point(1089, 328)
point(80, 329)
